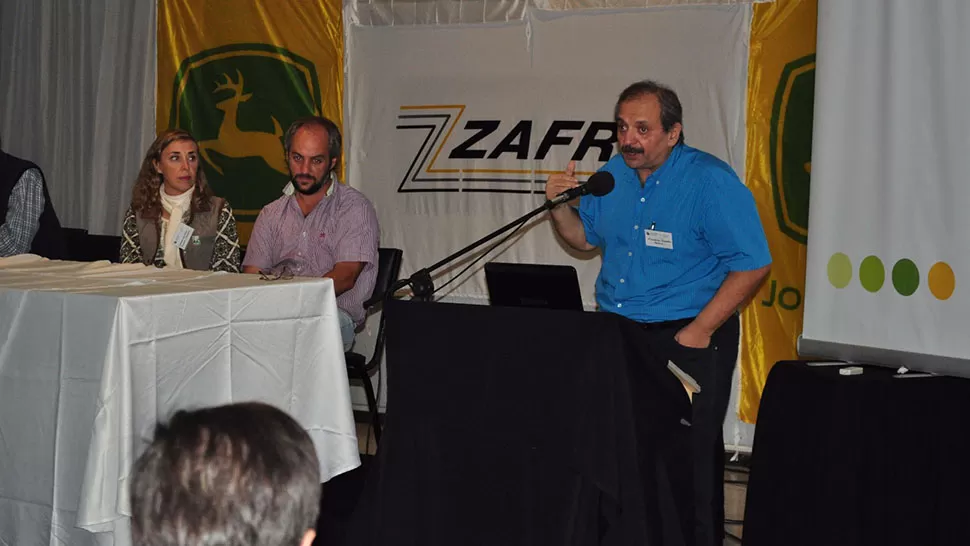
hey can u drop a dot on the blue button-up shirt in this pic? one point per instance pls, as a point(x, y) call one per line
point(710, 216)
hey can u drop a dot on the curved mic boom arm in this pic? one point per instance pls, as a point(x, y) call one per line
point(422, 286)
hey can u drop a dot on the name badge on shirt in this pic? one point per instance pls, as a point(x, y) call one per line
point(182, 236)
point(659, 239)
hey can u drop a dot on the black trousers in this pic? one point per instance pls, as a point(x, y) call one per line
point(713, 369)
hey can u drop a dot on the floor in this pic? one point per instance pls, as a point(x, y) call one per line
point(735, 490)
point(365, 439)
point(333, 513)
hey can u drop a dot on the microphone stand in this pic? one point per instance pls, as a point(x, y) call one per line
point(420, 281)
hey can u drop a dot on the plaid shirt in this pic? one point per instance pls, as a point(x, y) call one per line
point(24, 208)
point(341, 228)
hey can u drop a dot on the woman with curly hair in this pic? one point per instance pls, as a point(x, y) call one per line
point(171, 190)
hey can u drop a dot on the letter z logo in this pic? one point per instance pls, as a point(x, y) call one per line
point(484, 155)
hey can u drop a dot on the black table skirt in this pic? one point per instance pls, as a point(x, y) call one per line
point(859, 460)
point(520, 427)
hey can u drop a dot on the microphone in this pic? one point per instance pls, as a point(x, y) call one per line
point(598, 185)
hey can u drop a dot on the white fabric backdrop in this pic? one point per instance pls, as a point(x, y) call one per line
point(77, 96)
point(549, 67)
point(463, 12)
point(892, 130)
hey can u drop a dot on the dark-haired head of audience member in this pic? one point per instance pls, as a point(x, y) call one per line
point(236, 475)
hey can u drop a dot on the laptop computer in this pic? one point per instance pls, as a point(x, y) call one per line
point(533, 285)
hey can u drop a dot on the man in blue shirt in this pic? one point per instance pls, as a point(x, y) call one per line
point(683, 248)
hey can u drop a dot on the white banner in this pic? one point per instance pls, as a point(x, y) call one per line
point(453, 131)
point(888, 254)
point(465, 12)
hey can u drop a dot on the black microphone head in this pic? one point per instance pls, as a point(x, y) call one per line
point(600, 184)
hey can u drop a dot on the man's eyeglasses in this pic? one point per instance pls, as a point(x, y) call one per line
point(270, 275)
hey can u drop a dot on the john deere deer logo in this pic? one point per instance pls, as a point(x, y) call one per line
point(236, 143)
point(237, 101)
point(791, 146)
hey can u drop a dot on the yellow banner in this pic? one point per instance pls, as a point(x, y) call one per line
point(235, 74)
point(781, 95)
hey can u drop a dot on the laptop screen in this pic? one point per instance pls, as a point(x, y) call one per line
point(533, 285)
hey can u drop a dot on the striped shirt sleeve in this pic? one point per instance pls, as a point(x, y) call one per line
point(358, 233)
point(259, 248)
point(732, 226)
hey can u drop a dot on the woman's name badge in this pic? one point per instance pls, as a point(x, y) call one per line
point(182, 236)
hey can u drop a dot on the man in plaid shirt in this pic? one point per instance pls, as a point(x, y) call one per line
point(29, 222)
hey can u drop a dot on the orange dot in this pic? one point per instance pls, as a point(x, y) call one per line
point(942, 281)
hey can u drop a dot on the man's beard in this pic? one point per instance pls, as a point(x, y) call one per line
point(315, 187)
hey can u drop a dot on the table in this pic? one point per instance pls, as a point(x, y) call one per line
point(859, 460)
point(92, 355)
point(514, 427)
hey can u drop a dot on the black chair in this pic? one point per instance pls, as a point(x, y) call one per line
point(358, 366)
point(103, 247)
point(75, 241)
point(81, 246)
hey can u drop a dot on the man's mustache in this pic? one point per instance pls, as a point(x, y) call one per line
point(631, 150)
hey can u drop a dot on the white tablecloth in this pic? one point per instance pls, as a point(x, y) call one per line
point(92, 355)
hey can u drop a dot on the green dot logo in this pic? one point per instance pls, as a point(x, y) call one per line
point(905, 277)
point(872, 274)
point(840, 270)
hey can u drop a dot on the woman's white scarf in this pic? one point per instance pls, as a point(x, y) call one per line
point(176, 206)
